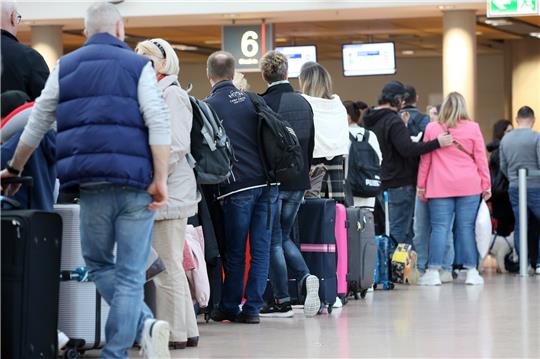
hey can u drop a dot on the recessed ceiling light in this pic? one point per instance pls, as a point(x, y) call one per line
point(281, 39)
point(446, 7)
point(479, 33)
point(212, 42)
point(407, 52)
point(498, 22)
point(230, 16)
point(181, 47)
point(535, 34)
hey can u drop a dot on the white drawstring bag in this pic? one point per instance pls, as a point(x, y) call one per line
point(483, 229)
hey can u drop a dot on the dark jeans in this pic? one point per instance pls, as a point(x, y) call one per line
point(283, 252)
point(401, 211)
point(252, 212)
point(533, 204)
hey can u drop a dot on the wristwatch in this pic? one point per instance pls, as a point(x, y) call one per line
point(13, 170)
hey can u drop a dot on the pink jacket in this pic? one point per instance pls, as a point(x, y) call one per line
point(450, 172)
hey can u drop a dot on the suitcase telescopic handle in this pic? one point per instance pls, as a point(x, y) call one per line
point(26, 181)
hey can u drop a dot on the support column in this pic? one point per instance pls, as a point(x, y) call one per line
point(526, 76)
point(48, 41)
point(459, 55)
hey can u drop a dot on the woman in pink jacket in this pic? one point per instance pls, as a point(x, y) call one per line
point(452, 179)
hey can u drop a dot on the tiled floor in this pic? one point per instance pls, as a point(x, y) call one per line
point(500, 319)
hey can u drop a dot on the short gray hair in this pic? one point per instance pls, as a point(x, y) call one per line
point(221, 65)
point(101, 17)
point(274, 66)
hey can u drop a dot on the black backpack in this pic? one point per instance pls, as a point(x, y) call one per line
point(211, 151)
point(279, 147)
point(364, 176)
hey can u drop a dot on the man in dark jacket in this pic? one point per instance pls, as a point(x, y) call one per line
point(248, 201)
point(294, 109)
point(23, 68)
point(399, 171)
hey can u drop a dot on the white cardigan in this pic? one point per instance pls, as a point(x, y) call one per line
point(331, 127)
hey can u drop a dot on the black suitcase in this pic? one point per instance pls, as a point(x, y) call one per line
point(316, 223)
point(31, 245)
point(362, 250)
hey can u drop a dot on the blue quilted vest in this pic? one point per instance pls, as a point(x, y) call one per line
point(102, 136)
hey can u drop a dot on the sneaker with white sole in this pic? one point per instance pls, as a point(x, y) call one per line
point(473, 277)
point(312, 304)
point(155, 339)
point(446, 276)
point(277, 310)
point(431, 277)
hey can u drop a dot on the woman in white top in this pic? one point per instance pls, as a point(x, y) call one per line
point(331, 128)
point(355, 111)
point(173, 296)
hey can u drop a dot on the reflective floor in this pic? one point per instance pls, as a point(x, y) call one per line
point(500, 319)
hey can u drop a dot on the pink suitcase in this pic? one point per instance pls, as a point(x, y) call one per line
point(341, 247)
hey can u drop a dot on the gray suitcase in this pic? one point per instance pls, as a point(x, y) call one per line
point(361, 250)
point(82, 311)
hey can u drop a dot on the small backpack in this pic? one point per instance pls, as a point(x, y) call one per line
point(279, 147)
point(364, 176)
point(211, 151)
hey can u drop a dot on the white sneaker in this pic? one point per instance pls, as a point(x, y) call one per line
point(430, 277)
point(338, 303)
point(312, 304)
point(446, 276)
point(538, 270)
point(155, 339)
point(473, 277)
point(62, 340)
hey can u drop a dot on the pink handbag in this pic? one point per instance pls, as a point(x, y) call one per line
point(198, 276)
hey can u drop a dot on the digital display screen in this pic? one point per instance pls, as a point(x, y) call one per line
point(298, 56)
point(369, 59)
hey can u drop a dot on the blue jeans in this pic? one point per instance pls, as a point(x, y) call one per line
point(115, 215)
point(533, 204)
point(283, 252)
point(422, 233)
point(252, 212)
point(463, 210)
point(401, 211)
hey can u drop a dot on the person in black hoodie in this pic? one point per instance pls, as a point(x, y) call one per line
point(247, 200)
point(400, 158)
point(292, 107)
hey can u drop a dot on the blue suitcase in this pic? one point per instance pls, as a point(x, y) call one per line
point(385, 248)
point(316, 224)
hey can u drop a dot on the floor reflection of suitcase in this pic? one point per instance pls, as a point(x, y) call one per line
point(316, 224)
point(82, 311)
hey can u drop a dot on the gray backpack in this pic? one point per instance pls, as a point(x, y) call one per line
point(211, 151)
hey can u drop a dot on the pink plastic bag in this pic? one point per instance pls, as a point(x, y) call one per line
point(198, 277)
point(341, 246)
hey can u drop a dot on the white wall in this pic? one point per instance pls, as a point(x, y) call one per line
point(424, 73)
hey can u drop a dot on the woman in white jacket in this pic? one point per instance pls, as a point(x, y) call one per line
point(173, 297)
point(331, 128)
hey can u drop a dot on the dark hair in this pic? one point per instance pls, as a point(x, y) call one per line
point(410, 95)
point(221, 65)
point(12, 99)
point(392, 93)
point(354, 109)
point(525, 112)
point(499, 129)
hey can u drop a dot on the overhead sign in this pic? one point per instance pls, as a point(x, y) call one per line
point(248, 44)
point(512, 7)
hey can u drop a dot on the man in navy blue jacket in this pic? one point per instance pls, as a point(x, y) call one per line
point(112, 143)
point(247, 199)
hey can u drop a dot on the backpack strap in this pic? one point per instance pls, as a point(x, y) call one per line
point(366, 135)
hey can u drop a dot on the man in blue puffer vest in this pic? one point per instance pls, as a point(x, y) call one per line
point(113, 144)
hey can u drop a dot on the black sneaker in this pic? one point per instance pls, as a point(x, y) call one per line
point(247, 318)
point(218, 315)
point(283, 310)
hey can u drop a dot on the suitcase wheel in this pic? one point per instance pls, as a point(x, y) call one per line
point(362, 294)
point(72, 353)
point(330, 308)
point(356, 295)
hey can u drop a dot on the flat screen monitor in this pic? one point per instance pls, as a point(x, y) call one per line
point(369, 59)
point(298, 55)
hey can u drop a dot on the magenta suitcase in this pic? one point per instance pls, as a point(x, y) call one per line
point(341, 247)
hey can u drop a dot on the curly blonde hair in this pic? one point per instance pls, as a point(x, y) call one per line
point(274, 66)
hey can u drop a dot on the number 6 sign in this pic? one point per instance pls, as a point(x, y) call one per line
point(247, 43)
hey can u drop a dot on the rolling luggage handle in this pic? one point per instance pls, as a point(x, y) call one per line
point(523, 173)
point(25, 181)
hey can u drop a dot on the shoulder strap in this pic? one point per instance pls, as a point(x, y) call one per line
point(254, 99)
point(366, 135)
